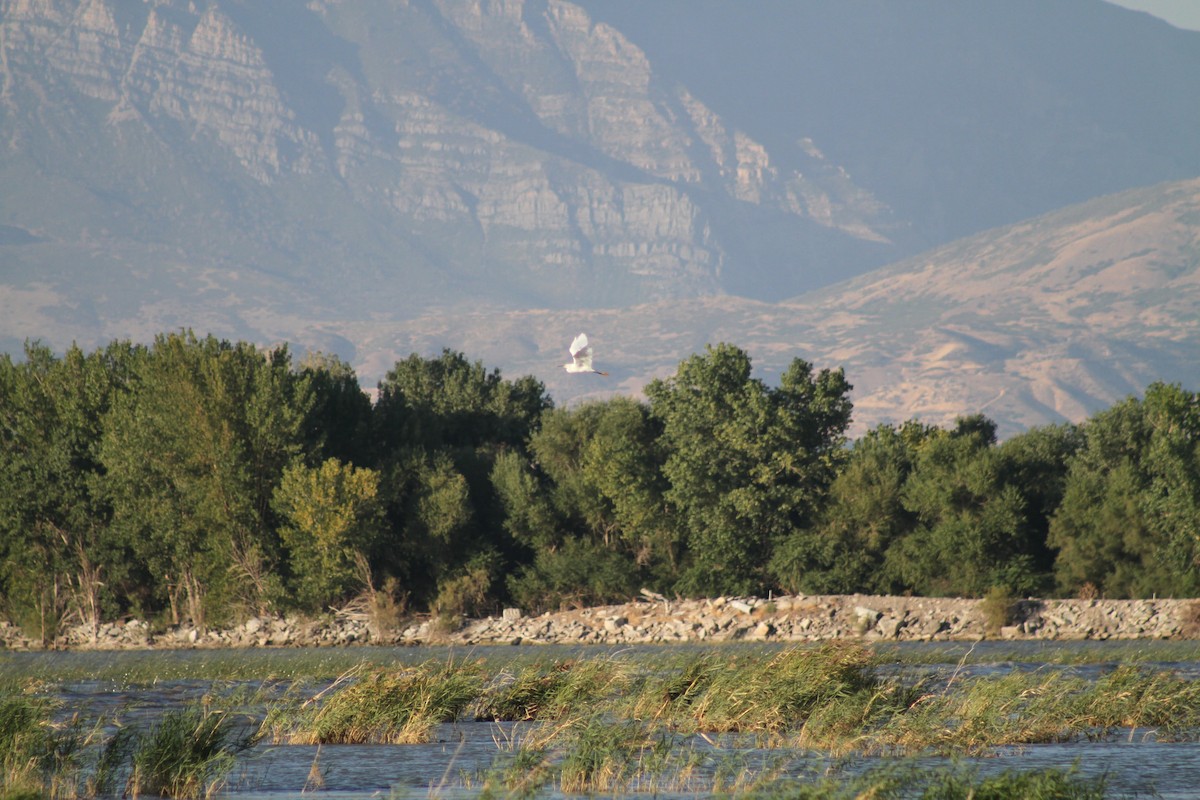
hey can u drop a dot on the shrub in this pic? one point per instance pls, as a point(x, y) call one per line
point(999, 609)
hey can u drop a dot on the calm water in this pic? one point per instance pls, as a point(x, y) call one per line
point(138, 686)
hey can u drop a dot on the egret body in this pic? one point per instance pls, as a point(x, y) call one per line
point(581, 356)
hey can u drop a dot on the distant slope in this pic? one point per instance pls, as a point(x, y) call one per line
point(1044, 321)
point(1049, 319)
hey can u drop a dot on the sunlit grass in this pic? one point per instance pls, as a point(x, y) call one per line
point(384, 706)
point(187, 753)
point(611, 723)
point(766, 695)
point(550, 689)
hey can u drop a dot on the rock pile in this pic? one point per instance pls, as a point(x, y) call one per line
point(832, 617)
point(656, 619)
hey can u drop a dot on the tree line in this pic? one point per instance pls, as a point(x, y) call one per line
point(202, 480)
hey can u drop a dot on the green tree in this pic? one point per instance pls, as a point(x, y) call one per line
point(1172, 464)
point(1127, 525)
point(332, 519)
point(747, 465)
point(862, 517)
point(451, 402)
point(594, 486)
point(339, 421)
point(192, 453)
point(440, 425)
point(973, 531)
point(59, 560)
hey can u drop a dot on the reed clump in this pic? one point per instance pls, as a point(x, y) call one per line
point(762, 695)
point(1135, 697)
point(187, 754)
point(27, 746)
point(386, 706)
point(975, 715)
point(603, 756)
point(547, 690)
point(907, 780)
point(595, 754)
point(1033, 707)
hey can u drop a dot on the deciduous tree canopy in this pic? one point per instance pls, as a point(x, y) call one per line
point(204, 480)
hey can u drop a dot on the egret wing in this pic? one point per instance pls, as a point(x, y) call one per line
point(581, 352)
point(579, 345)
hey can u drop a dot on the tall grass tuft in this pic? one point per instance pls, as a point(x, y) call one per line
point(908, 780)
point(1135, 697)
point(761, 695)
point(602, 756)
point(27, 746)
point(973, 716)
point(389, 707)
point(549, 690)
point(187, 753)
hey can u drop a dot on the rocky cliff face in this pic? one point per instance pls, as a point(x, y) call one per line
point(382, 176)
point(518, 144)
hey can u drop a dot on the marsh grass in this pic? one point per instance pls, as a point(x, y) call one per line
point(762, 695)
point(551, 689)
point(27, 745)
point(979, 714)
point(187, 753)
point(613, 723)
point(1024, 707)
point(385, 706)
point(907, 780)
point(604, 756)
point(596, 755)
point(1134, 697)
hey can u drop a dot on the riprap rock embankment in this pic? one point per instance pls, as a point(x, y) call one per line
point(658, 620)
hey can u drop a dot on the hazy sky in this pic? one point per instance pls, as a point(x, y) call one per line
point(1180, 13)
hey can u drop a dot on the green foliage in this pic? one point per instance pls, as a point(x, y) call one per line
point(187, 753)
point(331, 518)
point(972, 531)
point(863, 516)
point(1130, 510)
point(339, 421)
point(440, 426)
point(60, 561)
point(590, 506)
point(998, 609)
point(746, 464)
point(192, 453)
point(577, 573)
point(388, 706)
point(450, 402)
point(469, 593)
point(198, 479)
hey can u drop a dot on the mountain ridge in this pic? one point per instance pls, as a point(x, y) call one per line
point(342, 175)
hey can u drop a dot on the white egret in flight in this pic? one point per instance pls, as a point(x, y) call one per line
point(581, 356)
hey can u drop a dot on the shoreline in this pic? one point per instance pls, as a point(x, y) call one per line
point(653, 619)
